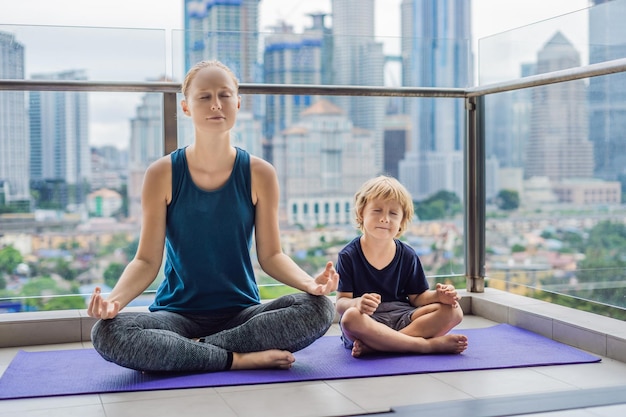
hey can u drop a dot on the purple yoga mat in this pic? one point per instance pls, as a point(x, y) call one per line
point(83, 371)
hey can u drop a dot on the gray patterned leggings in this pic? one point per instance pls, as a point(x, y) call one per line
point(161, 341)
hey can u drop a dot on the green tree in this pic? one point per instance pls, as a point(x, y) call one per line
point(441, 205)
point(604, 262)
point(73, 302)
point(608, 235)
point(65, 270)
point(37, 287)
point(507, 200)
point(9, 259)
point(112, 273)
point(518, 248)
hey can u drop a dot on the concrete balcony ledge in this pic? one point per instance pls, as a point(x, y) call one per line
point(596, 334)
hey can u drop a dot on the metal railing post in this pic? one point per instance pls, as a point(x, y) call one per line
point(475, 186)
point(170, 123)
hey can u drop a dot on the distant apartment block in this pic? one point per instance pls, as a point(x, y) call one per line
point(14, 145)
point(588, 192)
point(321, 161)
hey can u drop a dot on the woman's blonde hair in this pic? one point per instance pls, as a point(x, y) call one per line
point(384, 188)
point(207, 64)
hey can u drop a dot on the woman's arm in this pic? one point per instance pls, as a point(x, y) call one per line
point(271, 257)
point(144, 267)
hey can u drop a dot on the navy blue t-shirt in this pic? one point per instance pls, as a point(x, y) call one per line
point(403, 276)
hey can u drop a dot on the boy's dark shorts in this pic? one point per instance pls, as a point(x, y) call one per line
point(394, 314)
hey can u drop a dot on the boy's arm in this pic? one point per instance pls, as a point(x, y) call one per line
point(366, 304)
point(445, 294)
point(344, 301)
point(427, 297)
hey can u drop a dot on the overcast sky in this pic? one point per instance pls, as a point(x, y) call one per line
point(489, 17)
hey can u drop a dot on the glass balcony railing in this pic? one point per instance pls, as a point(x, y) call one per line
point(518, 182)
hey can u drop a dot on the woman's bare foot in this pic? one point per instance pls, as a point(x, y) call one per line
point(273, 358)
point(359, 349)
point(449, 343)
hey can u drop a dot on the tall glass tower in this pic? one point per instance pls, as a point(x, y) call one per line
point(558, 147)
point(14, 146)
point(226, 30)
point(291, 58)
point(436, 52)
point(359, 60)
point(59, 138)
point(607, 94)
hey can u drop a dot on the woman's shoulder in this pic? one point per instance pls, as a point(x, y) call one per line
point(161, 165)
point(257, 163)
point(261, 169)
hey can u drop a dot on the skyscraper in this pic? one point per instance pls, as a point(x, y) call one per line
point(226, 30)
point(291, 58)
point(436, 52)
point(607, 94)
point(146, 146)
point(14, 146)
point(59, 138)
point(359, 60)
point(558, 147)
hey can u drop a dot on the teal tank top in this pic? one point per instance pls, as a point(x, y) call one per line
point(208, 240)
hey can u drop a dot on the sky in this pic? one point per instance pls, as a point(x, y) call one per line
point(109, 124)
point(489, 16)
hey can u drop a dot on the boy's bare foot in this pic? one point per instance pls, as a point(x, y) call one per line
point(359, 349)
point(449, 343)
point(273, 358)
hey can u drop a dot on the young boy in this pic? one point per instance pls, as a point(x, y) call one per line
point(383, 297)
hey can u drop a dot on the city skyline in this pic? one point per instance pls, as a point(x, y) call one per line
point(106, 125)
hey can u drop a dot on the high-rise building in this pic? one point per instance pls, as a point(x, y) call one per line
point(226, 30)
point(558, 146)
point(397, 133)
point(291, 58)
point(145, 147)
point(436, 52)
point(320, 162)
point(59, 139)
point(359, 60)
point(607, 94)
point(14, 145)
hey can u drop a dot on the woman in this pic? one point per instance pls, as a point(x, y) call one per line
point(202, 203)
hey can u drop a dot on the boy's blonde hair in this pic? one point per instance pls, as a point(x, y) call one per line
point(207, 64)
point(387, 189)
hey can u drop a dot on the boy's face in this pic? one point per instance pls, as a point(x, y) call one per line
point(382, 219)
